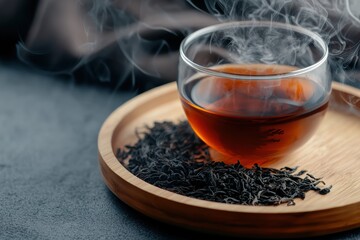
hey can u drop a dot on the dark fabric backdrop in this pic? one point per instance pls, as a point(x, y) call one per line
point(134, 43)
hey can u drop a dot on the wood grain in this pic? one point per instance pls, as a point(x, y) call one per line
point(333, 153)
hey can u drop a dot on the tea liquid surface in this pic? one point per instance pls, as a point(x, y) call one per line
point(256, 120)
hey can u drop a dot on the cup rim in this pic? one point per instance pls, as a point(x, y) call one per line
point(213, 72)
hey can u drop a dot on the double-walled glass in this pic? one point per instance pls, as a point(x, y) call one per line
point(254, 91)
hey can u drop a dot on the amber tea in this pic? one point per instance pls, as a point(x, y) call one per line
point(253, 120)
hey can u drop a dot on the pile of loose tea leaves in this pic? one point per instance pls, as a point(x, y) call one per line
point(172, 157)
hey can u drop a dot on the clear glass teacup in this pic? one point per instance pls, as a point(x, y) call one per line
point(254, 91)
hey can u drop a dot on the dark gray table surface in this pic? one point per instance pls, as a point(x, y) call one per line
point(50, 184)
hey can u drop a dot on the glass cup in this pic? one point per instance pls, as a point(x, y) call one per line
point(254, 91)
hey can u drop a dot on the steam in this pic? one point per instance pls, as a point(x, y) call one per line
point(128, 42)
point(333, 20)
point(136, 41)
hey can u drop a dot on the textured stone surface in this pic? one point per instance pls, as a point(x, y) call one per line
point(50, 185)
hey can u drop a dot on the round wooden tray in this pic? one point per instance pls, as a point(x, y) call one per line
point(333, 153)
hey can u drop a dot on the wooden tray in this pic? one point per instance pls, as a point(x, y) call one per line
point(334, 153)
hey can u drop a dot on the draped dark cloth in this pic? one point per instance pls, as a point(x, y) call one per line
point(134, 43)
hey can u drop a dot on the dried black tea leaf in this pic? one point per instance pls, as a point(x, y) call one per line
point(172, 157)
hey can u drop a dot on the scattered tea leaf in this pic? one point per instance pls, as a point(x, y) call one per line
point(172, 157)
